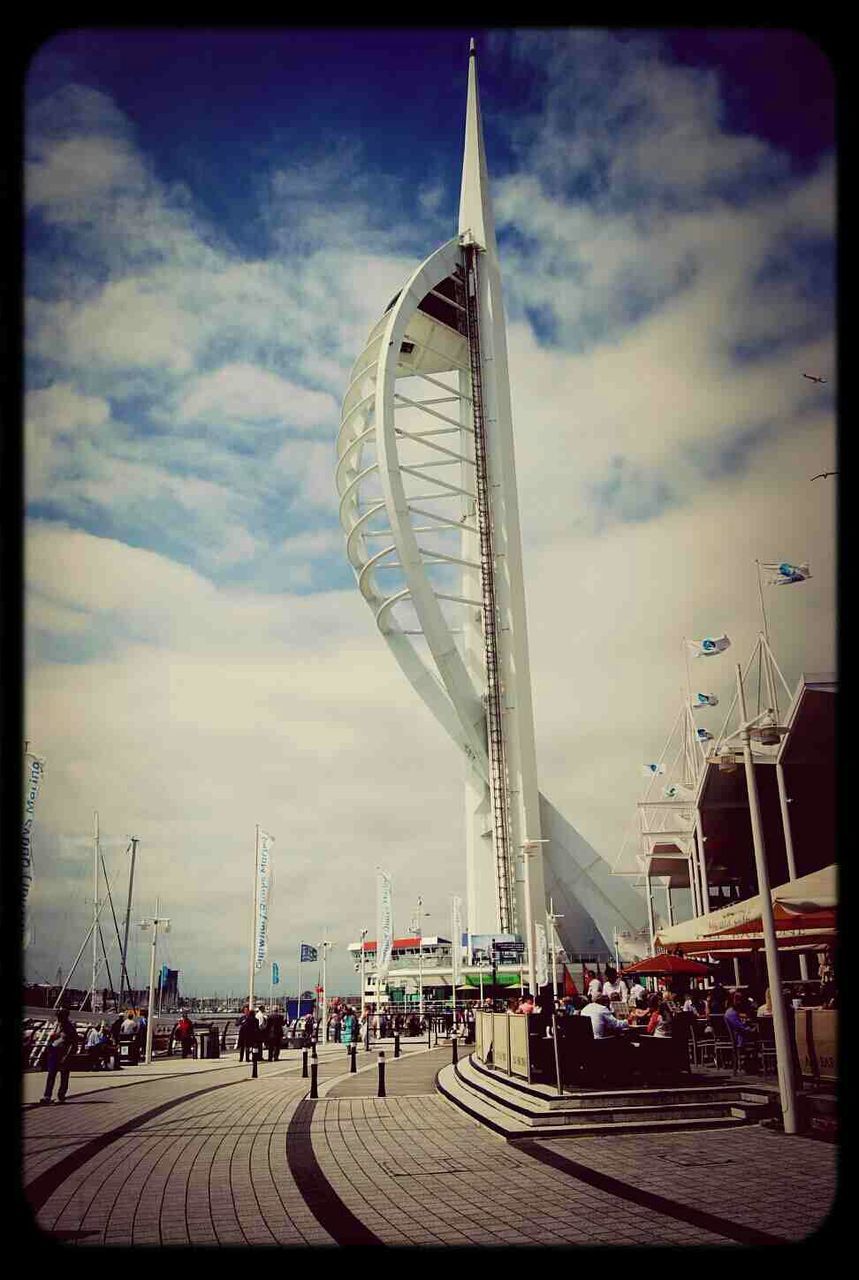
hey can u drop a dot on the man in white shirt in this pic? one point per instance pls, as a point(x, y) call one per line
point(636, 991)
point(604, 1023)
point(622, 990)
point(594, 988)
point(608, 988)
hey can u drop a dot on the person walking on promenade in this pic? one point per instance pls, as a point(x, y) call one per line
point(62, 1043)
point(274, 1035)
point(142, 1016)
point(349, 1027)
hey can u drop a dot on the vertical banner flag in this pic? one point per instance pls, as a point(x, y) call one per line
point(708, 648)
point(541, 959)
point(275, 973)
point(34, 768)
point(384, 925)
point(455, 941)
point(263, 892)
point(704, 700)
point(308, 954)
point(786, 573)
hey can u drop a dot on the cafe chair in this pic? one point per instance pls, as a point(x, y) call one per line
point(742, 1055)
point(766, 1044)
point(718, 1048)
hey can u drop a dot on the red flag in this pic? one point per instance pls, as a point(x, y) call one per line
point(570, 988)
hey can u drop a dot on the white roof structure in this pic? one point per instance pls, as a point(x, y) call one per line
point(428, 503)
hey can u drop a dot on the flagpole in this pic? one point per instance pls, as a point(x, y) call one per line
point(761, 596)
point(325, 989)
point(298, 992)
point(253, 921)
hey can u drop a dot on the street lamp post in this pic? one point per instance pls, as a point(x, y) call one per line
point(325, 946)
point(529, 847)
point(551, 917)
point(157, 922)
point(363, 978)
point(781, 1030)
point(419, 932)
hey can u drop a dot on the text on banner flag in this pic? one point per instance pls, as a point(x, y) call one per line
point(264, 843)
point(385, 924)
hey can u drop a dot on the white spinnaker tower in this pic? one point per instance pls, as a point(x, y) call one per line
point(427, 485)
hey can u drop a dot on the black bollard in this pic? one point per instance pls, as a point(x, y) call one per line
point(254, 1069)
point(381, 1092)
point(304, 1064)
point(314, 1069)
point(396, 1044)
point(353, 1065)
point(454, 1052)
point(313, 1048)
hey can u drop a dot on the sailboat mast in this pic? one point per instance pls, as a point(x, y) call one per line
point(95, 854)
point(123, 977)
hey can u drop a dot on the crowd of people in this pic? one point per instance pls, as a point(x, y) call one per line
point(614, 1004)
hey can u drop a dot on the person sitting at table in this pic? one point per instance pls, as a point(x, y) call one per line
point(716, 1001)
point(766, 1009)
point(594, 987)
point(526, 1004)
point(659, 1022)
point(636, 993)
point(603, 1021)
point(742, 1028)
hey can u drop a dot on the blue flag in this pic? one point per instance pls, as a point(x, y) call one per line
point(275, 973)
point(786, 573)
point(308, 953)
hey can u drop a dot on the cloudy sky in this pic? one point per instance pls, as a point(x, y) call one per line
point(214, 221)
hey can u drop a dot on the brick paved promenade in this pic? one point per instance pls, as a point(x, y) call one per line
point(198, 1153)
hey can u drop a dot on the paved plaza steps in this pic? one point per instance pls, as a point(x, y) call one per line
point(522, 1110)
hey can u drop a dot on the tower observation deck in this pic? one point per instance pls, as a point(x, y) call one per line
point(428, 503)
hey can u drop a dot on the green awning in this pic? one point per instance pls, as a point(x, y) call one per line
point(501, 980)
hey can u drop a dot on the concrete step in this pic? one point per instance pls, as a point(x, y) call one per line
point(521, 1096)
point(508, 1124)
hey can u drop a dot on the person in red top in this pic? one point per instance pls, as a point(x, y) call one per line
point(183, 1032)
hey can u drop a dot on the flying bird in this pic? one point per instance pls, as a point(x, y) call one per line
point(812, 378)
point(823, 474)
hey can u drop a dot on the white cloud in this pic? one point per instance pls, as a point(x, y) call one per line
point(247, 393)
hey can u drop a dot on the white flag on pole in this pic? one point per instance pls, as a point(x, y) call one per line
point(650, 770)
point(455, 941)
point(708, 648)
point(541, 959)
point(703, 735)
point(704, 700)
point(34, 768)
point(786, 573)
point(263, 878)
point(384, 925)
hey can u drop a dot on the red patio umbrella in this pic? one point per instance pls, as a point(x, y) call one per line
point(668, 966)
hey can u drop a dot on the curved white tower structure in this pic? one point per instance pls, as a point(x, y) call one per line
point(427, 486)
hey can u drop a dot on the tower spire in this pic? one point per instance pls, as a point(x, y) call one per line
point(475, 207)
